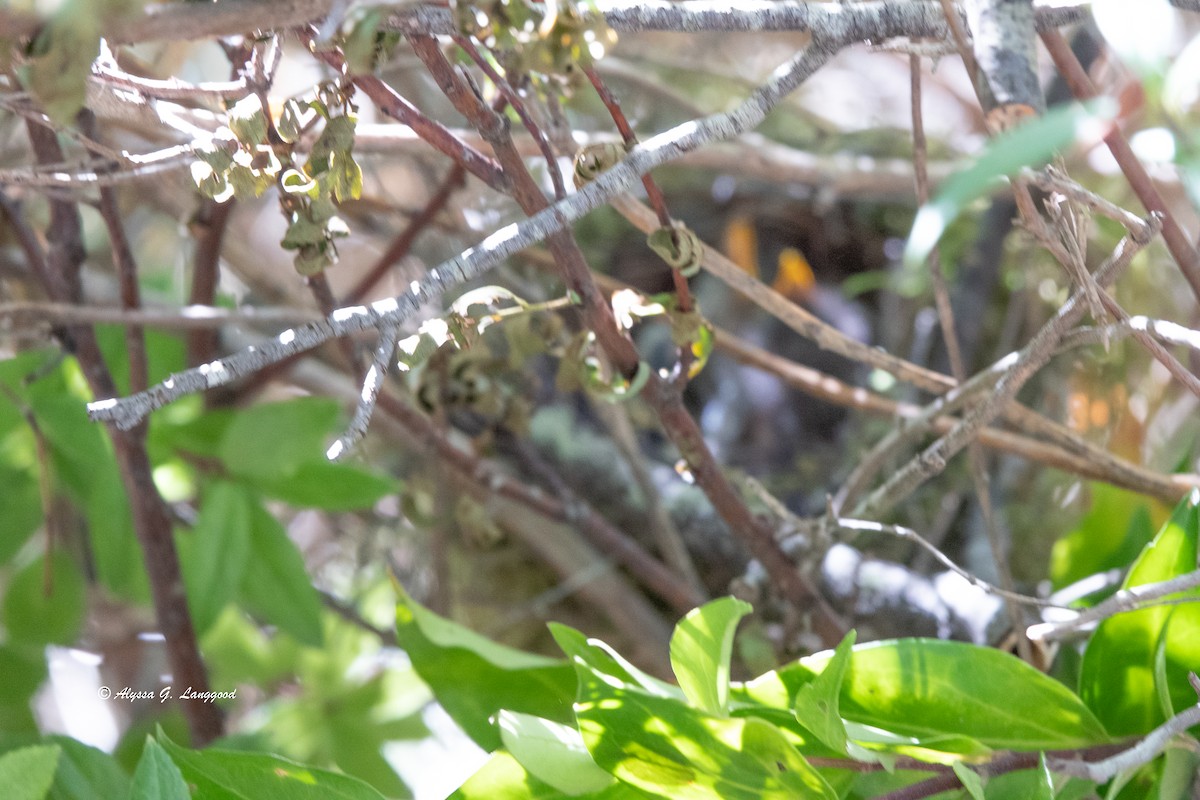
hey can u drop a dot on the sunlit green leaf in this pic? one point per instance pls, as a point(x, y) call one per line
point(930, 689)
point(503, 778)
point(701, 649)
point(970, 780)
point(1110, 535)
point(817, 702)
point(255, 776)
point(1030, 145)
point(474, 678)
point(1117, 676)
point(664, 746)
point(553, 752)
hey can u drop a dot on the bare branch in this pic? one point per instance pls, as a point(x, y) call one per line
point(1141, 753)
point(127, 412)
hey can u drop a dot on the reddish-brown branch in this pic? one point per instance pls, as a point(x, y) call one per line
point(683, 293)
point(127, 280)
point(1182, 249)
point(603, 534)
point(664, 397)
point(402, 244)
point(65, 253)
point(391, 104)
point(509, 93)
point(208, 228)
point(1000, 765)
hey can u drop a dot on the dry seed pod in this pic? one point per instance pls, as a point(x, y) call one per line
point(593, 159)
point(679, 246)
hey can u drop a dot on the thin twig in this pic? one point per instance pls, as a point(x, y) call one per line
point(1145, 751)
point(1123, 602)
point(472, 262)
point(932, 460)
point(372, 383)
point(910, 535)
point(402, 244)
point(1179, 243)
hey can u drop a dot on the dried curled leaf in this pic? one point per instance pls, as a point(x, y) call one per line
point(679, 246)
point(593, 159)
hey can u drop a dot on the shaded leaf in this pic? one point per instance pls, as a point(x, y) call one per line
point(215, 554)
point(26, 774)
point(275, 439)
point(157, 777)
point(276, 584)
point(32, 615)
point(333, 487)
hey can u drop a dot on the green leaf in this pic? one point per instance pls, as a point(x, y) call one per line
point(1110, 535)
point(553, 752)
point(248, 121)
point(601, 658)
point(26, 774)
point(157, 777)
point(276, 585)
point(215, 554)
point(24, 669)
point(928, 689)
point(273, 440)
point(31, 615)
point(474, 678)
point(232, 775)
point(970, 780)
point(664, 746)
point(1030, 145)
point(503, 778)
point(333, 487)
point(701, 649)
point(817, 706)
point(1117, 677)
point(20, 509)
point(62, 58)
point(347, 177)
point(86, 773)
